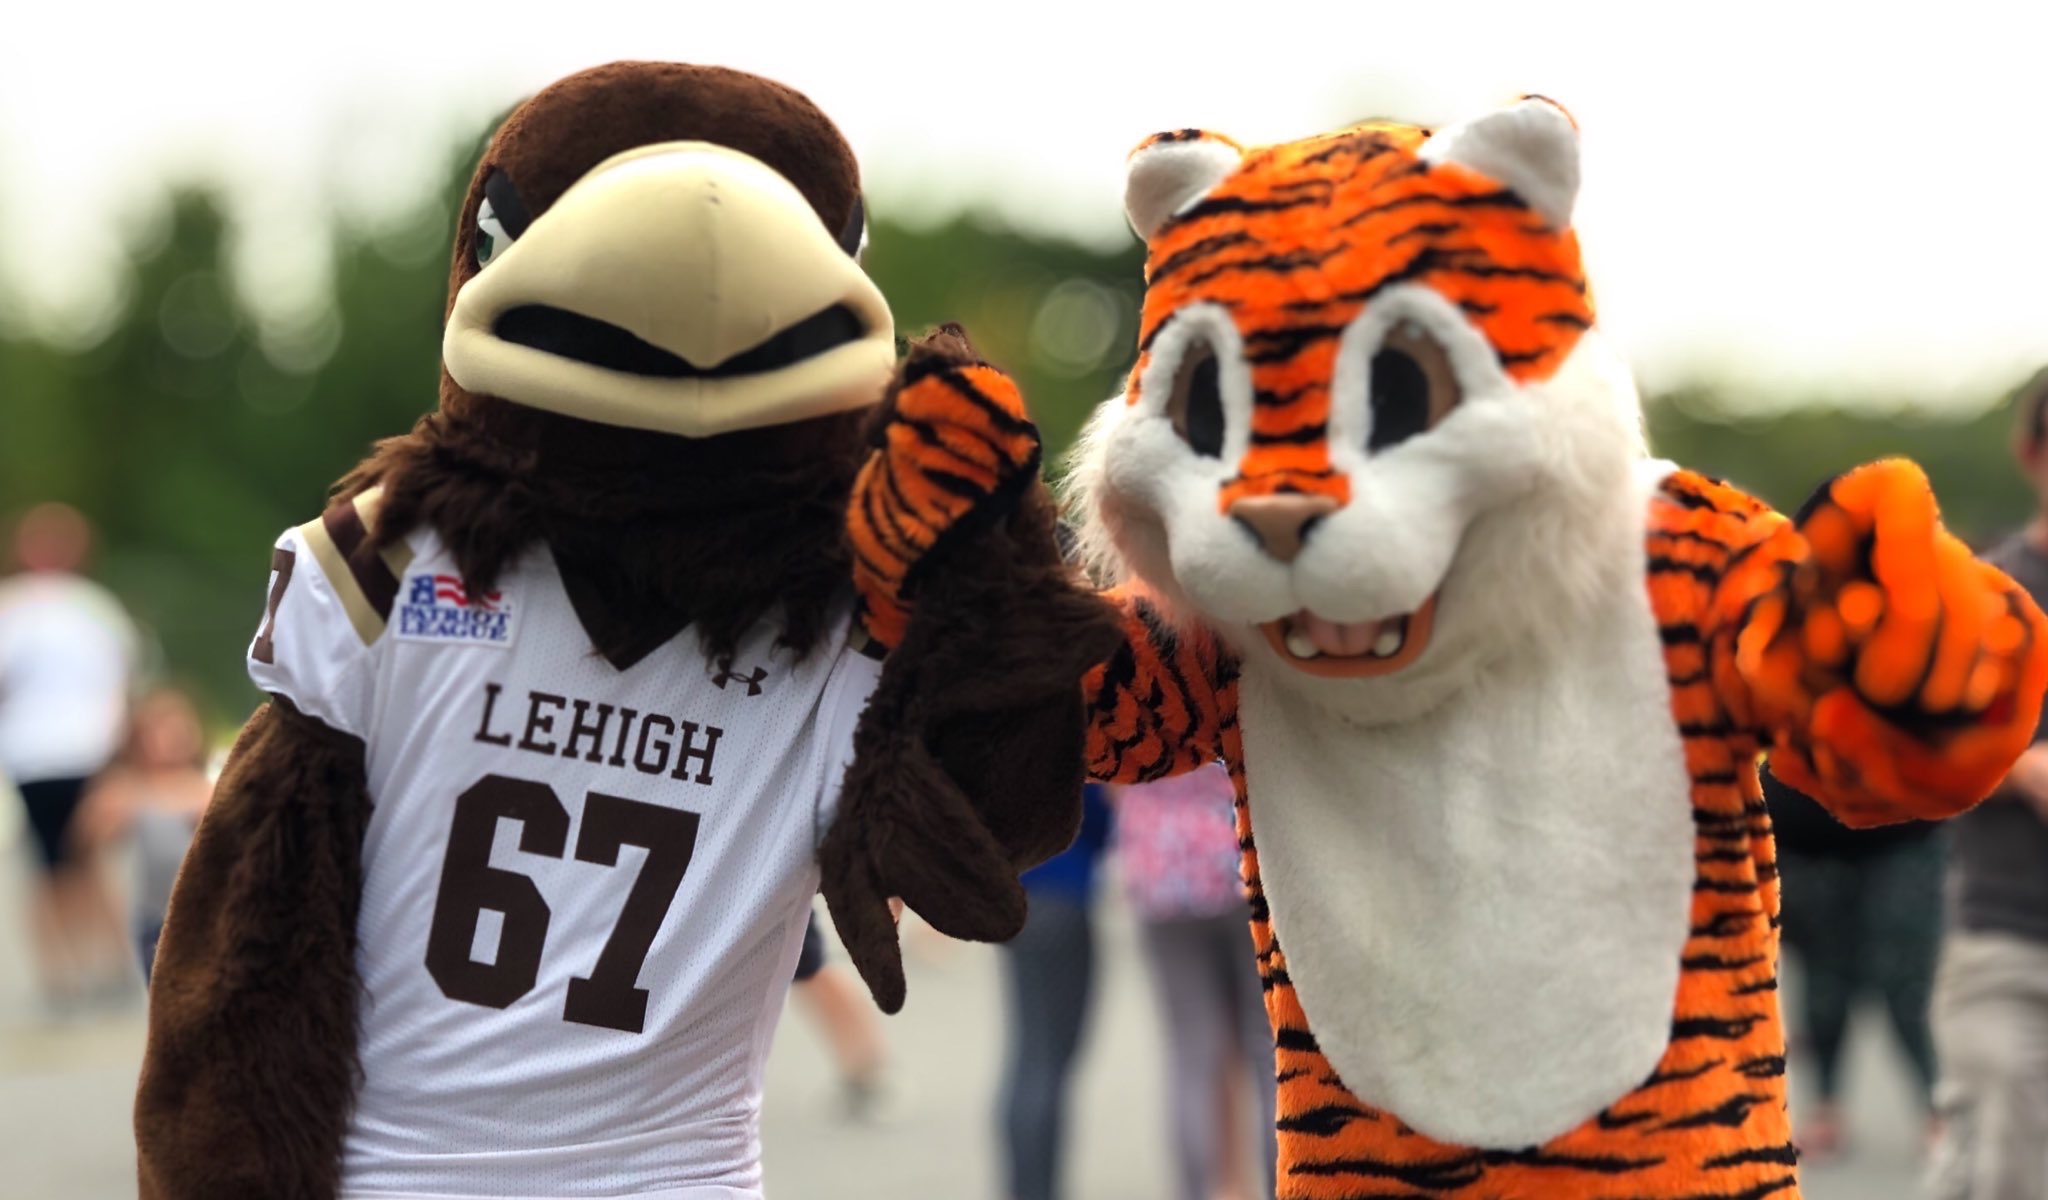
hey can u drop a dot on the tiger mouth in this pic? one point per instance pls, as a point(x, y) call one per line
point(1351, 650)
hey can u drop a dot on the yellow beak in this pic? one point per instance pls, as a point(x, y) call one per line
point(682, 287)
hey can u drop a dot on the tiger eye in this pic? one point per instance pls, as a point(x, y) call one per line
point(1412, 386)
point(1196, 405)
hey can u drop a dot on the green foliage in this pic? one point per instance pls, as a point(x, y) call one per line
point(192, 436)
point(1061, 318)
point(192, 441)
point(1783, 458)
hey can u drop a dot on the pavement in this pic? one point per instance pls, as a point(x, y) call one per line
point(65, 1091)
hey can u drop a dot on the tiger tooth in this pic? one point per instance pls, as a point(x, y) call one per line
point(1299, 645)
point(1388, 644)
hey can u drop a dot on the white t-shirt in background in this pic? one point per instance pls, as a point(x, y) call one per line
point(67, 654)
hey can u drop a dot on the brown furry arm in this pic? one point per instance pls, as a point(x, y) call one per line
point(251, 1069)
point(968, 760)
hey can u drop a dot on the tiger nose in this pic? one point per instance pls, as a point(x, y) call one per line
point(1281, 523)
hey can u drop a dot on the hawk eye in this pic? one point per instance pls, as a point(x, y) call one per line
point(500, 218)
point(1196, 405)
point(491, 237)
point(1412, 386)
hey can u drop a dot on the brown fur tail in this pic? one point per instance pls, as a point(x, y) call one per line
point(251, 1069)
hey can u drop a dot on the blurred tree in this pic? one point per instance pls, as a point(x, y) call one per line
point(191, 438)
point(1060, 317)
point(192, 433)
point(1783, 458)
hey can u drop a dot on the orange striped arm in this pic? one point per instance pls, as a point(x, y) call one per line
point(953, 445)
point(1164, 703)
point(1897, 675)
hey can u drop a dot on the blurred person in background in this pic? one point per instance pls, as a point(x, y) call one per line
point(152, 796)
point(1990, 1009)
point(840, 1007)
point(67, 653)
point(1176, 842)
point(1862, 910)
point(1049, 970)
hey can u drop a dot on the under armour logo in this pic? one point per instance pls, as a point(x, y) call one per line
point(751, 678)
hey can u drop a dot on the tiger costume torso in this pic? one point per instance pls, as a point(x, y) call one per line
point(1709, 1117)
point(1378, 515)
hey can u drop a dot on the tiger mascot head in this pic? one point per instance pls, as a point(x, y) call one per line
point(1372, 436)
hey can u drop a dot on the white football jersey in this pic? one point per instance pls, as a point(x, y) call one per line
point(585, 888)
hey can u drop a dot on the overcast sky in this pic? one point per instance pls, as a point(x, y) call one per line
point(1799, 195)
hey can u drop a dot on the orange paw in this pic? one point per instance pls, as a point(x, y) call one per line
point(1907, 673)
point(952, 440)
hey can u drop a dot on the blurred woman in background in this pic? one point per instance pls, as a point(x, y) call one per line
point(839, 1007)
point(67, 655)
point(1178, 851)
point(1049, 969)
point(1862, 911)
point(152, 796)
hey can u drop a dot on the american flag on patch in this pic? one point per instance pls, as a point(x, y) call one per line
point(449, 588)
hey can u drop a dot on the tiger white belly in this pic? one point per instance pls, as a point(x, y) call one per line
point(1483, 910)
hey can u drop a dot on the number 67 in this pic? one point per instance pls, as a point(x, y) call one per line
point(608, 997)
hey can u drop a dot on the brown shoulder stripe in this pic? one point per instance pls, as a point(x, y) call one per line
point(372, 574)
point(264, 648)
point(364, 578)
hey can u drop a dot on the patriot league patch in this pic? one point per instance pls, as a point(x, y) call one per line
point(436, 608)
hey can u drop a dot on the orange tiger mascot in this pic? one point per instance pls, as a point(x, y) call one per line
point(1385, 537)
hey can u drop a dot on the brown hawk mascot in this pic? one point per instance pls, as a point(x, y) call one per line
point(500, 892)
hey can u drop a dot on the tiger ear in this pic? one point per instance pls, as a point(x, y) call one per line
point(1531, 147)
point(1170, 171)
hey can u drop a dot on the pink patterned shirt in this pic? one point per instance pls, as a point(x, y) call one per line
point(1177, 845)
